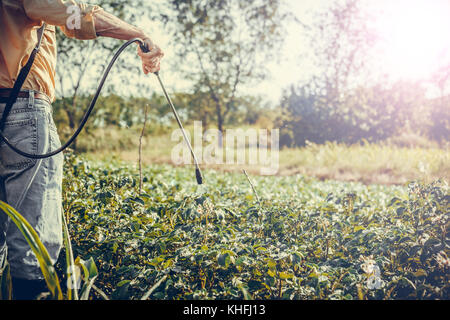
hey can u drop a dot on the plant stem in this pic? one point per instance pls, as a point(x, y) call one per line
point(253, 187)
point(140, 148)
point(147, 295)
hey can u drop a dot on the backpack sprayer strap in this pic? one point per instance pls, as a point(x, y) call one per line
point(21, 78)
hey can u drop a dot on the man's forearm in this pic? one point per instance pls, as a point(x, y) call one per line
point(108, 25)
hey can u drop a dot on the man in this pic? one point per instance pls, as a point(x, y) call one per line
point(33, 187)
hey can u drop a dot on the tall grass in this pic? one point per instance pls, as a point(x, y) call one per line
point(48, 271)
point(377, 163)
point(369, 160)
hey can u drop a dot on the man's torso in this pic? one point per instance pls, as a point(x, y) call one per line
point(19, 37)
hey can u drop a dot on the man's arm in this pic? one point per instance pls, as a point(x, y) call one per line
point(94, 22)
point(108, 25)
point(61, 13)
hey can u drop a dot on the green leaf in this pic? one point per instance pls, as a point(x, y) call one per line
point(41, 253)
point(168, 264)
point(90, 274)
point(254, 285)
point(420, 273)
point(123, 282)
point(224, 260)
point(5, 281)
point(296, 258)
point(121, 292)
point(240, 261)
point(271, 264)
point(285, 275)
point(72, 276)
point(115, 247)
point(431, 242)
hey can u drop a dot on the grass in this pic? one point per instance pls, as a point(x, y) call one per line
point(382, 163)
point(369, 163)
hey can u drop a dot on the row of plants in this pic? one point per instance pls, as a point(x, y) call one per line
point(275, 238)
point(295, 238)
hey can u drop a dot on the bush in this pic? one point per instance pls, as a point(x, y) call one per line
point(400, 113)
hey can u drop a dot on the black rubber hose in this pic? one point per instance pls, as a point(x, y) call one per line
point(86, 115)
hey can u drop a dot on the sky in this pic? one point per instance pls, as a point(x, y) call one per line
point(413, 41)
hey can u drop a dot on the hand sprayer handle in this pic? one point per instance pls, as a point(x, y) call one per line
point(145, 49)
point(143, 46)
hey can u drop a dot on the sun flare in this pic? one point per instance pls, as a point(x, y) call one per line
point(415, 37)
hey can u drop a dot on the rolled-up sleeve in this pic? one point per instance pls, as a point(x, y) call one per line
point(75, 19)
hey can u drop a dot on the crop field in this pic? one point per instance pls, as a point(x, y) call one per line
point(289, 237)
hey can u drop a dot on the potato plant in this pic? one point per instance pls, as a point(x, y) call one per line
point(303, 239)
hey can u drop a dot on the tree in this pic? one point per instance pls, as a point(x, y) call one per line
point(328, 106)
point(440, 113)
point(222, 45)
point(342, 41)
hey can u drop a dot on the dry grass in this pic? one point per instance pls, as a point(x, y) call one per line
point(369, 163)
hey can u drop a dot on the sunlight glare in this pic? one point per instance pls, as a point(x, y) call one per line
point(415, 37)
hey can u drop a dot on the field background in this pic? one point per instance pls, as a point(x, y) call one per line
point(359, 209)
point(392, 162)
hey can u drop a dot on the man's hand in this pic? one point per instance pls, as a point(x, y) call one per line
point(150, 60)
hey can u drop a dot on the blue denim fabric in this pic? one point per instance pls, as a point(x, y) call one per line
point(32, 187)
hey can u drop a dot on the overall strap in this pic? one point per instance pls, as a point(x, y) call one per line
point(21, 78)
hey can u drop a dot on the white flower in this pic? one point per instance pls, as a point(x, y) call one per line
point(442, 260)
point(373, 272)
point(376, 271)
point(370, 267)
point(367, 267)
point(374, 283)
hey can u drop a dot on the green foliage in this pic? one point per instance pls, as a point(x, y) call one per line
point(372, 114)
point(307, 240)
